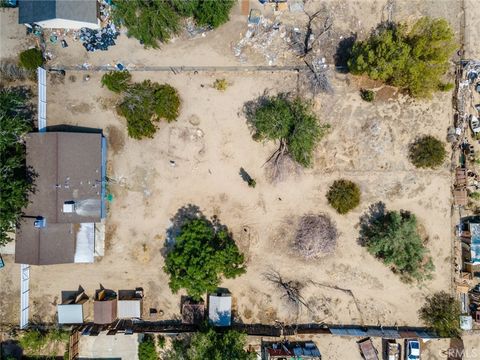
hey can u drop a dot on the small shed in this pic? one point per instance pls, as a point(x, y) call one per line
point(460, 197)
point(71, 310)
point(105, 307)
point(220, 309)
point(130, 304)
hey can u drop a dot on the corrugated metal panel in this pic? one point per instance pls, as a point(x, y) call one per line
point(42, 99)
point(24, 294)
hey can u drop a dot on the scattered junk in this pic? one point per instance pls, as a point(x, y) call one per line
point(367, 349)
point(102, 39)
point(452, 135)
point(474, 124)
point(193, 312)
point(466, 322)
point(460, 195)
point(64, 44)
point(72, 309)
point(392, 350)
point(254, 17)
point(307, 350)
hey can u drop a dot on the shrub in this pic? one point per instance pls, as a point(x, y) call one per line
point(161, 341)
point(441, 311)
point(31, 59)
point(145, 103)
point(367, 95)
point(414, 59)
point(446, 87)
point(146, 348)
point(116, 81)
point(220, 84)
point(208, 344)
point(203, 251)
point(343, 196)
point(167, 102)
point(393, 237)
point(16, 181)
point(475, 195)
point(427, 152)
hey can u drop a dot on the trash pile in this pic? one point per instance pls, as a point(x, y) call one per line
point(93, 40)
point(268, 38)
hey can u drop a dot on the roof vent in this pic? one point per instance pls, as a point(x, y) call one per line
point(69, 206)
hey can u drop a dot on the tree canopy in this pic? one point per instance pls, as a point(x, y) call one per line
point(289, 121)
point(116, 81)
point(208, 344)
point(202, 252)
point(16, 180)
point(146, 103)
point(414, 59)
point(427, 152)
point(31, 59)
point(154, 21)
point(441, 311)
point(343, 195)
point(393, 237)
point(146, 348)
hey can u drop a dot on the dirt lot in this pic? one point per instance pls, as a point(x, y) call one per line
point(211, 141)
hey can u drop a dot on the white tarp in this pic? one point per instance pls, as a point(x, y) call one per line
point(85, 245)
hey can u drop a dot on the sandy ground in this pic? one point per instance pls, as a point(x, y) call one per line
point(210, 142)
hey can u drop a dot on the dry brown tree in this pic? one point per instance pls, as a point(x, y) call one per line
point(290, 290)
point(316, 235)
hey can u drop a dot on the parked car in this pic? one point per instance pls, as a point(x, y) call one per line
point(474, 124)
point(412, 349)
point(367, 349)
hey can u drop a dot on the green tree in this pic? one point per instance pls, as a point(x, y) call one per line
point(393, 237)
point(441, 311)
point(145, 103)
point(202, 253)
point(427, 152)
point(207, 344)
point(31, 59)
point(116, 81)
point(146, 348)
point(415, 59)
point(149, 21)
point(289, 121)
point(16, 181)
point(343, 195)
point(212, 13)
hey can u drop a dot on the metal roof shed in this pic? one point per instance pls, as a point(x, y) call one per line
point(129, 309)
point(220, 309)
point(70, 313)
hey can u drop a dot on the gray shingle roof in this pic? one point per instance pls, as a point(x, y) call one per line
point(32, 11)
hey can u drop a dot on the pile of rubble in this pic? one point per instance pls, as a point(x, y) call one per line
point(102, 39)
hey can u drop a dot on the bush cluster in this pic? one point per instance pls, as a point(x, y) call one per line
point(427, 152)
point(343, 196)
point(31, 59)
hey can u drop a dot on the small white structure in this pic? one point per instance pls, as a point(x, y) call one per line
point(466, 322)
point(60, 14)
point(220, 309)
point(71, 310)
point(129, 304)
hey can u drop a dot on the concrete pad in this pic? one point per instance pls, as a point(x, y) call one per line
point(109, 346)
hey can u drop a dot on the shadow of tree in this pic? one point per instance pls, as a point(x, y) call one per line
point(343, 52)
point(375, 211)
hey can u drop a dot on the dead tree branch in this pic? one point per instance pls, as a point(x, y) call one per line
point(290, 290)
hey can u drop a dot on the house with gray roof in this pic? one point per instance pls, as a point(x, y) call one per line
point(58, 225)
point(60, 14)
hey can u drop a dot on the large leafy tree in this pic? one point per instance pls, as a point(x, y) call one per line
point(203, 251)
point(15, 179)
point(207, 344)
point(291, 122)
point(393, 237)
point(154, 21)
point(442, 312)
point(146, 103)
point(414, 59)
